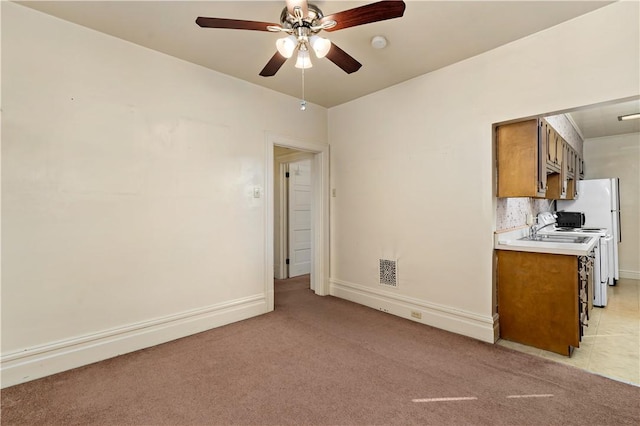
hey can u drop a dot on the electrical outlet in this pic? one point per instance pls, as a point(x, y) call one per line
point(529, 219)
point(416, 314)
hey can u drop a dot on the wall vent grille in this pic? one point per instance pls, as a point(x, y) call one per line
point(389, 272)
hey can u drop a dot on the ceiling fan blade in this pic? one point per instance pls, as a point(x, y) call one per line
point(374, 12)
point(273, 65)
point(234, 24)
point(343, 59)
point(291, 4)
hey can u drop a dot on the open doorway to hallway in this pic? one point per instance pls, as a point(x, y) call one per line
point(318, 254)
point(287, 291)
point(293, 211)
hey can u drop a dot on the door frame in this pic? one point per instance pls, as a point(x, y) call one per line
point(281, 165)
point(319, 212)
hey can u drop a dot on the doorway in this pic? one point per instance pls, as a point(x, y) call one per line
point(292, 213)
point(304, 237)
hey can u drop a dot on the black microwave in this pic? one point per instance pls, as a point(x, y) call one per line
point(570, 219)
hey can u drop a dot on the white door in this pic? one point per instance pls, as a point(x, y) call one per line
point(299, 218)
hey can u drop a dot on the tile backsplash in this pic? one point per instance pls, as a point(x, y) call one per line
point(512, 212)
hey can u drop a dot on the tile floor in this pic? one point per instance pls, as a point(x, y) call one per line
point(611, 344)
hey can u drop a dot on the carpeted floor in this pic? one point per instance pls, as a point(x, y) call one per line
point(322, 360)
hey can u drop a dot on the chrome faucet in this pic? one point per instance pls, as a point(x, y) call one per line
point(533, 230)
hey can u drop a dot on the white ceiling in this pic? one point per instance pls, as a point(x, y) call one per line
point(603, 120)
point(430, 35)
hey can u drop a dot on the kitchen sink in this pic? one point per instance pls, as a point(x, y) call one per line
point(557, 239)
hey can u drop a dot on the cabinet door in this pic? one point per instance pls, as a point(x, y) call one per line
point(554, 186)
point(550, 139)
point(560, 144)
point(541, 160)
point(519, 158)
point(577, 166)
point(538, 300)
point(562, 158)
point(572, 176)
point(552, 148)
point(567, 158)
point(571, 189)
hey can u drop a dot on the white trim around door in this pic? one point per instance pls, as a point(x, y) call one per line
point(320, 213)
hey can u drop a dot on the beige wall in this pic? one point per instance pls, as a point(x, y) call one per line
point(619, 156)
point(128, 215)
point(413, 164)
point(127, 183)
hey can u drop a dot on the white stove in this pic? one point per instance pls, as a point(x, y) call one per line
point(580, 230)
point(603, 253)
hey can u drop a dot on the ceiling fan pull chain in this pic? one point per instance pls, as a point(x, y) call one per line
point(303, 103)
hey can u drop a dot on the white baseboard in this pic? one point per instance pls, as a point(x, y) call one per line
point(633, 275)
point(33, 363)
point(479, 327)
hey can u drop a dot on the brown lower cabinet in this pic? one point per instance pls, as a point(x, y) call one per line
point(542, 299)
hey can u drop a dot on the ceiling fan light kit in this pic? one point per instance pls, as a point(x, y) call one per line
point(303, 61)
point(320, 45)
point(286, 46)
point(302, 21)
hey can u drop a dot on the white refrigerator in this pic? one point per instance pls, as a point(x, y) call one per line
point(599, 200)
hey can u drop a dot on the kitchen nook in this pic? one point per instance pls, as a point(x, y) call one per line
point(551, 270)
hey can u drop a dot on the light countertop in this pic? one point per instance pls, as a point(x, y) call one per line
point(510, 241)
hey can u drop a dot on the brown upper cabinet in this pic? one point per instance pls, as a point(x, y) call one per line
point(569, 156)
point(533, 160)
point(557, 181)
point(554, 147)
point(572, 158)
point(522, 157)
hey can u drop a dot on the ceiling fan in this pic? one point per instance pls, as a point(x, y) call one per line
point(302, 21)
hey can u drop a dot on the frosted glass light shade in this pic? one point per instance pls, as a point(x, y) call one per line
point(303, 61)
point(287, 45)
point(320, 45)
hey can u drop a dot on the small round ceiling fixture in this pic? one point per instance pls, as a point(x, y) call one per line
point(379, 42)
